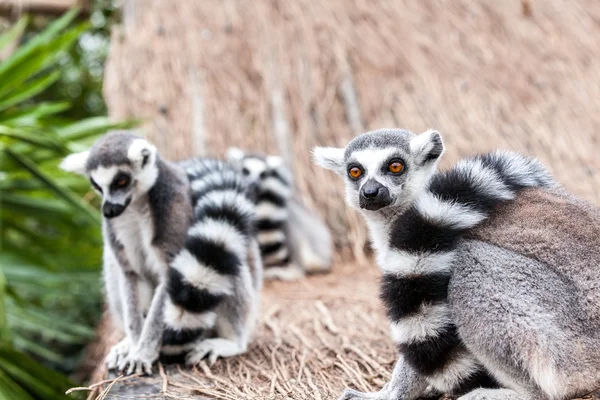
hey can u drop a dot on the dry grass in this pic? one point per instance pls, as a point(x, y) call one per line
point(288, 75)
point(208, 74)
point(316, 337)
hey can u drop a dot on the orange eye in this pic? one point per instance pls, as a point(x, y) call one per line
point(122, 182)
point(355, 172)
point(396, 167)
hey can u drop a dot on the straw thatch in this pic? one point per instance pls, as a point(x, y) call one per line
point(288, 75)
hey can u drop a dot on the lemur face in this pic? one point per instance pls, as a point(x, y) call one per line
point(385, 168)
point(255, 168)
point(120, 167)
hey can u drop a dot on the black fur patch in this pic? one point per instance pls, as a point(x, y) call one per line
point(228, 213)
point(436, 150)
point(160, 197)
point(179, 337)
point(404, 295)
point(414, 233)
point(279, 263)
point(271, 197)
point(271, 248)
point(269, 224)
point(480, 379)
point(434, 353)
point(454, 185)
point(275, 174)
point(213, 255)
point(189, 297)
point(225, 184)
point(169, 359)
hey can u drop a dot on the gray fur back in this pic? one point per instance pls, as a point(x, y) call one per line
point(522, 320)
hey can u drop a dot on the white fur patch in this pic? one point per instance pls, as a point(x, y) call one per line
point(272, 236)
point(178, 319)
point(400, 262)
point(255, 167)
point(271, 211)
point(276, 257)
point(145, 176)
point(234, 154)
point(212, 180)
point(103, 176)
point(274, 162)
point(201, 276)
point(230, 197)
point(527, 170)
point(486, 179)
point(545, 374)
point(454, 372)
point(136, 151)
point(75, 162)
point(331, 158)
point(422, 144)
point(448, 213)
point(276, 186)
point(133, 229)
point(428, 322)
point(287, 273)
point(220, 231)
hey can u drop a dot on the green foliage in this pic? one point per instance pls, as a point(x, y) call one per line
point(82, 66)
point(50, 243)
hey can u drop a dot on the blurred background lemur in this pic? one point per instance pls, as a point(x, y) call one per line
point(182, 274)
point(293, 239)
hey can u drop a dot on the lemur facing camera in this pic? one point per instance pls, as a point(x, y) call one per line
point(490, 270)
point(182, 269)
point(271, 181)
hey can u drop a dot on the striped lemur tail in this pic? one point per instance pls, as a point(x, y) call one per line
point(273, 189)
point(418, 265)
point(215, 280)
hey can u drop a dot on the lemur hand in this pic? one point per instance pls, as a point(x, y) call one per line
point(138, 361)
point(117, 353)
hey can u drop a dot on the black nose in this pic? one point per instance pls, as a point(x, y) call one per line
point(111, 210)
point(373, 196)
point(371, 192)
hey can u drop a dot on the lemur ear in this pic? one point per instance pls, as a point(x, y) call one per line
point(274, 161)
point(331, 158)
point(427, 147)
point(234, 154)
point(141, 153)
point(75, 162)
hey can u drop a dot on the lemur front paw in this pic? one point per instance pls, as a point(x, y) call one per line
point(138, 361)
point(213, 349)
point(117, 353)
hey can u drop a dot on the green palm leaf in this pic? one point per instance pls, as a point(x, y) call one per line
point(62, 192)
point(50, 243)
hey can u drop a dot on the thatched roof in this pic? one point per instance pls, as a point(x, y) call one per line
point(289, 75)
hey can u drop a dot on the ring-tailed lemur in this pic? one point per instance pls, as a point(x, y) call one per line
point(272, 182)
point(509, 342)
point(181, 265)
